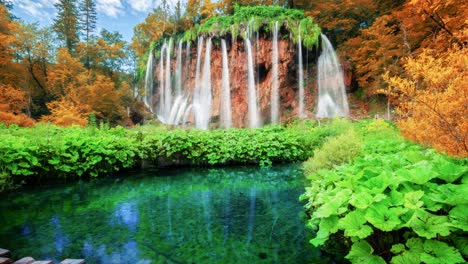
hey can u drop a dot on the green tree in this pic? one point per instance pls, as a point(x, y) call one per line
point(7, 3)
point(66, 24)
point(88, 18)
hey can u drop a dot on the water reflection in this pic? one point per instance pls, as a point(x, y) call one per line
point(127, 213)
point(231, 215)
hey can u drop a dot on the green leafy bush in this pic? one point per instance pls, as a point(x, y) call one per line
point(335, 151)
point(48, 152)
point(263, 146)
point(396, 202)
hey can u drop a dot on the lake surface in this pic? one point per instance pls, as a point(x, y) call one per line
point(226, 215)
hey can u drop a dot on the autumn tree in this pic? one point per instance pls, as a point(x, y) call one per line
point(81, 92)
point(155, 26)
point(446, 19)
point(33, 47)
point(433, 98)
point(7, 30)
point(12, 103)
point(66, 24)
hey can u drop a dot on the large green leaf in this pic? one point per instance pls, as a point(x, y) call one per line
point(335, 206)
point(383, 217)
point(395, 198)
point(452, 194)
point(459, 216)
point(327, 227)
point(440, 252)
point(412, 199)
point(363, 199)
point(412, 255)
point(448, 170)
point(428, 225)
point(361, 252)
point(354, 225)
point(420, 173)
point(378, 184)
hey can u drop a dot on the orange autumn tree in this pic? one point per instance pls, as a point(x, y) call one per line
point(433, 100)
point(82, 92)
point(12, 102)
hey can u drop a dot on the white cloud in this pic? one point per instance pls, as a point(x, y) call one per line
point(41, 10)
point(141, 5)
point(146, 6)
point(112, 8)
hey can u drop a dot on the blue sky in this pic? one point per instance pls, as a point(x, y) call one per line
point(113, 15)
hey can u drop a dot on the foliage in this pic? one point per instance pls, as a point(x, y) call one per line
point(395, 202)
point(313, 134)
point(432, 100)
point(12, 103)
point(49, 152)
point(334, 152)
point(265, 146)
point(31, 66)
point(66, 24)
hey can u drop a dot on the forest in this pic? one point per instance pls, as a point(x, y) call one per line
point(384, 181)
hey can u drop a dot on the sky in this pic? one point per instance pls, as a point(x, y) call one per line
point(113, 15)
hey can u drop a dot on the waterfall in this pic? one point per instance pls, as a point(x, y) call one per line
point(254, 119)
point(167, 85)
point(162, 91)
point(149, 80)
point(332, 99)
point(226, 117)
point(178, 110)
point(178, 75)
point(196, 90)
point(274, 78)
point(204, 100)
point(187, 62)
point(301, 112)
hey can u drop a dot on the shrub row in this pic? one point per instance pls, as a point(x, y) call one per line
point(47, 152)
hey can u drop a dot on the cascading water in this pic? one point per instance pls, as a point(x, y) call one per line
point(203, 106)
point(167, 85)
point(254, 116)
point(274, 78)
point(162, 91)
point(187, 62)
point(332, 100)
point(178, 75)
point(301, 112)
point(149, 80)
point(226, 116)
point(196, 101)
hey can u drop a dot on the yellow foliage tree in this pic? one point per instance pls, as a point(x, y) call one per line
point(433, 100)
point(66, 112)
point(12, 102)
point(62, 77)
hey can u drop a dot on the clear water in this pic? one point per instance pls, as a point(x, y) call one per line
point(228, 215)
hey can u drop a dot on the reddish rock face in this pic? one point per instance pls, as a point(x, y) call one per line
point(262, 52)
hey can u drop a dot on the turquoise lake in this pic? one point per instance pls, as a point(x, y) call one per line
point(222, 215)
